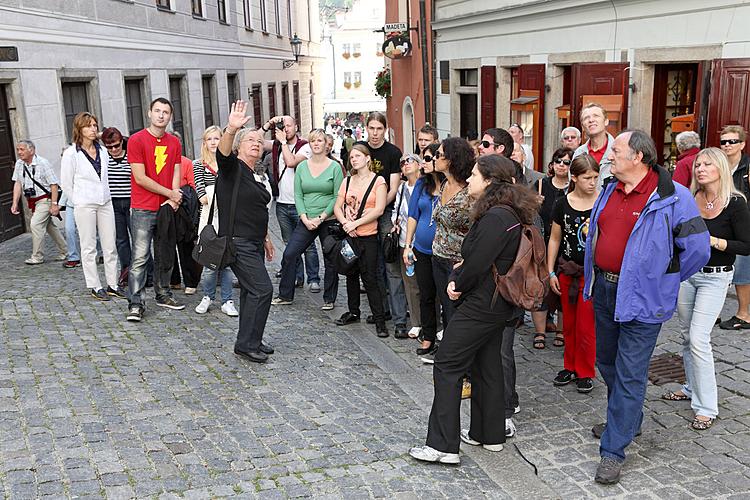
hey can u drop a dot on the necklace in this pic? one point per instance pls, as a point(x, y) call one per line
point(710, 204)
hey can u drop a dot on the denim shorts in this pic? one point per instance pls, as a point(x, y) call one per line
point(741, 270)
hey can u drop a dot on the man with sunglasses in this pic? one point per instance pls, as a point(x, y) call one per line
point(594, 121)
point(570, 138)
point(732, 141)
point(496, 141)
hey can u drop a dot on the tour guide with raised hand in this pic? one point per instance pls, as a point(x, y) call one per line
point(648, 236)
point(238, 152)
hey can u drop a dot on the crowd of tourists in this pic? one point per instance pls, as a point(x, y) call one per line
point(427, 236)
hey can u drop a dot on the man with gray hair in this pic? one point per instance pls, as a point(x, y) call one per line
point(35, 179)
point(688, 145)
point(570, 138)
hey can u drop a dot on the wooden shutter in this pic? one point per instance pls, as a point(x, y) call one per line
point(729, 98)
point(489, 96)
point(600, 79)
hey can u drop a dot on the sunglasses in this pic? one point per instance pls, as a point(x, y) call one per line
point(563, 161)
point(724, 142)
point(438, 155)
point(487, 144)
point(427, 159)
point(408, 160)
point(570, 137)
point(113, 146)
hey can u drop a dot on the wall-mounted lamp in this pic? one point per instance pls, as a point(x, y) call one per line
point(296, 44)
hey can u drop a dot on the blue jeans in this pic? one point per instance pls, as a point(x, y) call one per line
point(286, 214)
point(209, 283)
point(700, 302)
point(71, 234)
point(143, 227)
point(623, 354)
point(301, 239)
point(121, 207)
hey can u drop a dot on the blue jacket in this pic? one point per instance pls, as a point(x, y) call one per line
point(669, 243)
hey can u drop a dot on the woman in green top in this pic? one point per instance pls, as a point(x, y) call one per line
point(316, 185)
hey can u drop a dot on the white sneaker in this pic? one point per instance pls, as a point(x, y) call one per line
point(439, 335)
point(190, 290)
point(510, 428)
point(202, 308)
point(428, 454)
point(414, 332)
point(517, 409)
point(229, 309)
point(473, 442)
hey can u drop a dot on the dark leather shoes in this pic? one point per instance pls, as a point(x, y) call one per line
point(381, 330)
point(265, 348)
point(423, 351)
point(254, 356)
point(401, 332)
point(347, 319)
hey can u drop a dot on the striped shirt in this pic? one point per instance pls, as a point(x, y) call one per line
point(204, 177)
point(119, 177)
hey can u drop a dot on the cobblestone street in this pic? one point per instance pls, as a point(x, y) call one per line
point(93, 406)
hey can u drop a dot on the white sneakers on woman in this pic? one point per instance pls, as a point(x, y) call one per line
point(227, 307)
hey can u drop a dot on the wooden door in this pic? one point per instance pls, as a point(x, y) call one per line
point(729, 98)
point(489, 95)
point(10, 225)
point(599, 79)
point(531, 77)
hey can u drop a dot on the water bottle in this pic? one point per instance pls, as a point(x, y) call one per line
point(410, 267)
point(346, 250)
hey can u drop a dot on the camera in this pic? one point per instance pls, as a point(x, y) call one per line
point(29, 192)
point(280, 125)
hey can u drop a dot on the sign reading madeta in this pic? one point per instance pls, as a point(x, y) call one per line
point(395, 27)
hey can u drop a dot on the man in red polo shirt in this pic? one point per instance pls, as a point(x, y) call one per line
point(646, 235)
point(599, 145)
point(155, 158)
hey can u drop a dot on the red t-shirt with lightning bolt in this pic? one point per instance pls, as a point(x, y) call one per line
point(159, 155)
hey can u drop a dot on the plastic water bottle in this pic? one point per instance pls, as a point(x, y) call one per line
point(410, 267)
point(346, 250)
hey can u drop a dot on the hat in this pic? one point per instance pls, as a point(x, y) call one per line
point(412, 156)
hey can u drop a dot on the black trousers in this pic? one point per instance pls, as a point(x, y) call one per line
point(468, 344)
point(256, 292)
point(191, 270)
point(367, 250)
point(441, 271)
point(509, 370)
point(428, 310)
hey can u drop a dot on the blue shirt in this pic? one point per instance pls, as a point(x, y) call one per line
point(421, 205)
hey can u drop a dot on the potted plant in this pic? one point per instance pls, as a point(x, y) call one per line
point(383, 83)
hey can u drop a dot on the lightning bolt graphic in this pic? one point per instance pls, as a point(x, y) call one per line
point(160, 154)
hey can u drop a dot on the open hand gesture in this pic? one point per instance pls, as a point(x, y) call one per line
point(237, 118)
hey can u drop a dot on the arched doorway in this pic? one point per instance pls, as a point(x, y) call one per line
point(408, 126)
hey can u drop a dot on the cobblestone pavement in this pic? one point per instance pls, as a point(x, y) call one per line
point(94, 406)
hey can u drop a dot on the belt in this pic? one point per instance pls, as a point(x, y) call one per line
point(717, 269)
point(611, 277)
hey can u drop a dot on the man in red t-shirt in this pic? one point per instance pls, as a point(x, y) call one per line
point(155, 158)
point(599, 145)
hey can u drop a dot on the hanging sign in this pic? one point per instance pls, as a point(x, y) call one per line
point(397, 43)
point(395, 27)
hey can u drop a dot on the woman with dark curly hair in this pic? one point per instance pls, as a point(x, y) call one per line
point(474, 335)
point(452, 213)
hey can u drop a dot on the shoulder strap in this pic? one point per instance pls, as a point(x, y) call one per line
point(45, 190)
point(211, 210)
point(364, 198)
point(400, 199)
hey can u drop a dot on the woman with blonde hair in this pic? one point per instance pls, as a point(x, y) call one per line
point(85, 181)
point(701, 297)
point(205, 172)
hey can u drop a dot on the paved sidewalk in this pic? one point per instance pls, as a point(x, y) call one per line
point(93, 406)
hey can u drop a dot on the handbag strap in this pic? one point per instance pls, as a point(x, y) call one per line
point(211, 210)
point(364, 198)
point(400, 199)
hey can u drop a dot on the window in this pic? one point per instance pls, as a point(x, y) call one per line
point(134, 104)
point(75, 100)
point(357, 50)
point(222, 6)
point(285, 98)
point(277, 14)
point(233, 88)
point(445, 77)
point(197, 7)
point(272, 99)
point(346, 51)
point(175, 97)
point(357, 78)
point(469, 77)
point(248, 14)
point(295, 91)
point(258, 105)
point(289, 16)
point(163, 4)
point(347, 79)
point(208, 101)
point(263, 21)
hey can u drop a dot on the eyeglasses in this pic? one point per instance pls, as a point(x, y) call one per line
point(570, 137)
point(250, 139)
point(724, 142)
point(487, 144)
point(563, 161)
point(113, 146)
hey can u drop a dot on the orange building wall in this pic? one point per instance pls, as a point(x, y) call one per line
point(406, 73)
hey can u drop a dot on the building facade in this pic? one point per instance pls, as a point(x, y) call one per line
point(537, 63)
point(353, 54)
point(112, 57)
point(412, 101)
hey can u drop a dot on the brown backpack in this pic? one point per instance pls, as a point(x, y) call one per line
point(527, 281)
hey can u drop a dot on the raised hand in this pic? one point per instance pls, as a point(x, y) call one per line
point(237, 118)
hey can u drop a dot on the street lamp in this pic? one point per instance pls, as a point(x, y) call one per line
point(296, 46)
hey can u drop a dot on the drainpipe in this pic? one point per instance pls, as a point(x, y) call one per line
point(425, 66)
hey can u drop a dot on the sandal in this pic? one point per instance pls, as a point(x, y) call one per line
point(673, 396)
point(734, 323)
point(701, 425)
point(559, 340)
point(540, 340)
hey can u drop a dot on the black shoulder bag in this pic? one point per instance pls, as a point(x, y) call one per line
point(390, 240)
point(214, 251)
point(45, 190)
